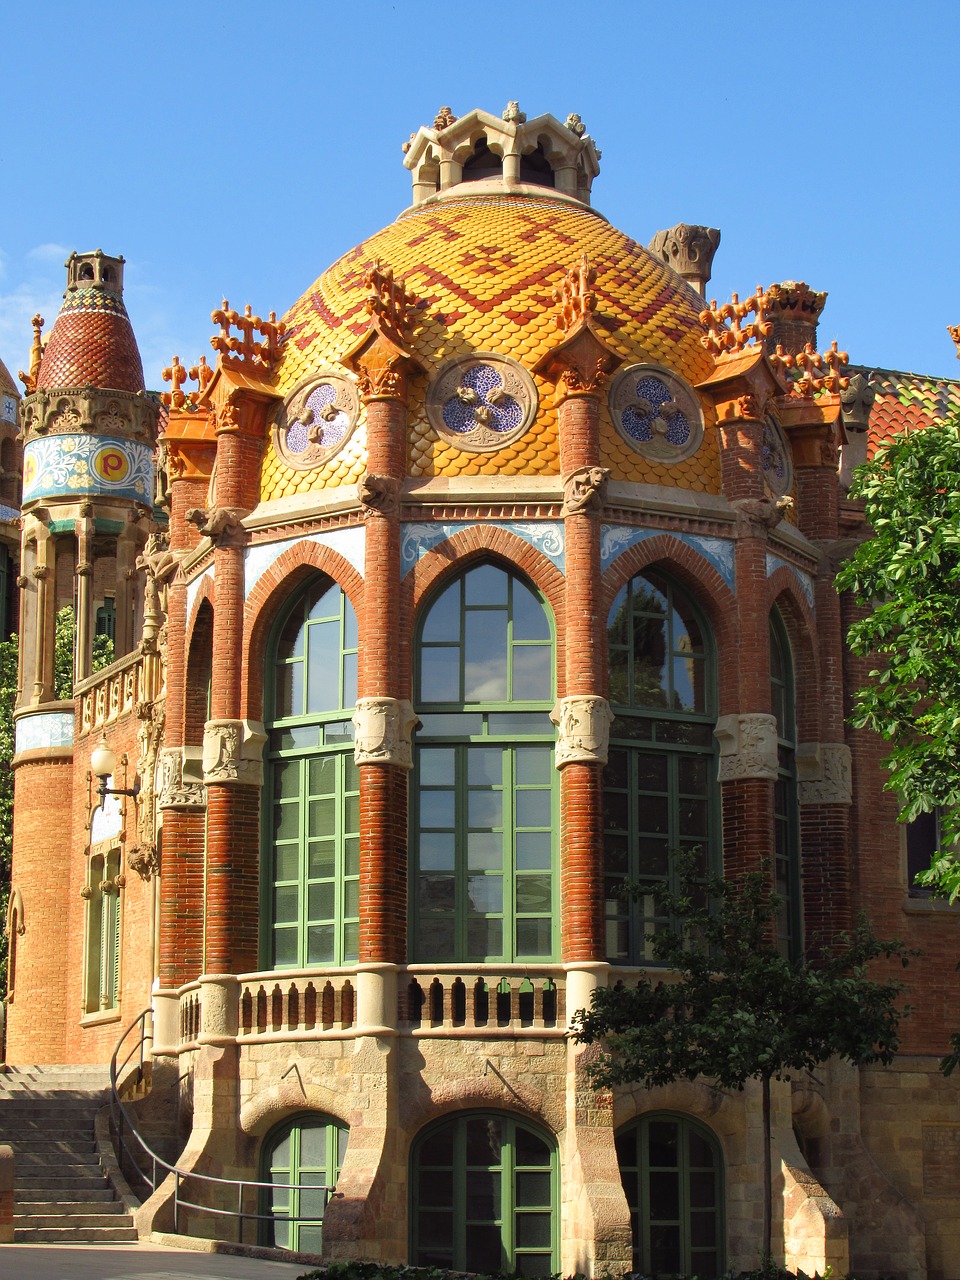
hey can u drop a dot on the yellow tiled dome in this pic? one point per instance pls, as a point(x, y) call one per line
point(485, 266)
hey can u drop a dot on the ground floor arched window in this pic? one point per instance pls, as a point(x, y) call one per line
point(484, 1189)
point(307, 1152)
point(672, 1173)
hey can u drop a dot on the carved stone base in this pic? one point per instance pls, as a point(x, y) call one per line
point(824, 773)
point(180, 779)
point(384, 728)
point(583, 729)
point(748, 747)
point(233, 752)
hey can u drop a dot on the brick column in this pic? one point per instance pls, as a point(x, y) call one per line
point(232, 769)
point(578, 365)
point(748, 739)
point(824, 766)
point(180, 791)
point(384, 716)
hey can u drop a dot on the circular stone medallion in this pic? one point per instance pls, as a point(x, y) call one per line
point(481, 402)
point(656, 413)
point(315, 421)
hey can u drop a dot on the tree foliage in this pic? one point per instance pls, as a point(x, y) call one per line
point(731, 1007)
point(907, 576)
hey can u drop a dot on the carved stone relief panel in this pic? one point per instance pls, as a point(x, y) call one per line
point(233, 752)
point(824, 773)
point(748, 747)
point(383, 731)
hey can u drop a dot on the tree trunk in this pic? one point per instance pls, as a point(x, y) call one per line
point(767, 1172)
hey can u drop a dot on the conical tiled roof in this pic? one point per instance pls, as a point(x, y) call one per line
point(92, 344)
point(7, 383)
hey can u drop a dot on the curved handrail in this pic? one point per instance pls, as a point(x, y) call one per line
point(121, 1121)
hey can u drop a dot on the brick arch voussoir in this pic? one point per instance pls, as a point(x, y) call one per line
point(273, 589)
point(484, 541)
point(697, 576)
point(206, 593)
point(785, 595)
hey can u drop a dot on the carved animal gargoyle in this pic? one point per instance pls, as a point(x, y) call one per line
point(217, 523)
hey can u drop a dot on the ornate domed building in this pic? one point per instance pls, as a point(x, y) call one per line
point(496, 573)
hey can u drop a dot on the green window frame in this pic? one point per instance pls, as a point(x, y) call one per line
point(484, 1196)
point(102, 932)
point(785, 803)
point(671, 1168)
point(311, 829)
point(303, 1152)
point(660, 790)
point(484, 812)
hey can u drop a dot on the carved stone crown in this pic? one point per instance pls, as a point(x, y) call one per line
point(515, 151)
point(689, 250)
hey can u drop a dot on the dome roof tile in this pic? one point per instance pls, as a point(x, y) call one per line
point(92, 344)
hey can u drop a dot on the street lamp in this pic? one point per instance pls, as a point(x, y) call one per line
point(103, 762)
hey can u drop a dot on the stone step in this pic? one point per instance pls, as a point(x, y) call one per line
point(54, 1187)
point(34, 1201)
point(51, 1148)
point(74, 1235)
point(33, 1166)
point(69, 1218)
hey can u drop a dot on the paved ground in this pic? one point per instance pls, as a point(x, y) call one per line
point(130, 1262)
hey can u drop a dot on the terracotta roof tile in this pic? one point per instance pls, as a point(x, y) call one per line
point(907, 402)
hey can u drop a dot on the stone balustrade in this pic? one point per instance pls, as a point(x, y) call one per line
point(111, 693)
point(481, 999)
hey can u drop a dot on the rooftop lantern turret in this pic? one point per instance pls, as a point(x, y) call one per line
point(510, 153)
point(96, 270)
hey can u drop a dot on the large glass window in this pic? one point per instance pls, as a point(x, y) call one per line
point(672, 1174)
point(303, 1153)
point(102, 932)
point(312, 806)
point(659, 783)
point(786, 818)
point(484, 797)
point(485, 1196)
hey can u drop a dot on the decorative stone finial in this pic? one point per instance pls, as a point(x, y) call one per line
point(444, 119)
point(235, 352)
point(952, 329)
point(817, 371)
point(176, 374)
point(575, 124)
point(728, 333)
point(513, 114)
point(29, 380)
point(856, 401)
point(388, 302)
point(689, 250)
point(575, 297)
point(793, 309)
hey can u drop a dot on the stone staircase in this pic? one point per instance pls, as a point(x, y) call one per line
point(47, 1114)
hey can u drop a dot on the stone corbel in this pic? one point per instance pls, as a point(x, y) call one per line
point(583, 729)
point(180, 779)
point(824, 773)
point(233, 752)
point(748, 747)
point(384, 728)
point(584, 491)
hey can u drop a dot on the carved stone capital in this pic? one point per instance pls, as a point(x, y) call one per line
point(689, 250)
point(179, 779)
point(383, 731)
point(748, 747)
point(233, 752)
point(584, 491)
point(824, 773)
point(583, 729)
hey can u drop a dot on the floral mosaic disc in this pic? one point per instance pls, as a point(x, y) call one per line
point(656, 413)
point(481, 402)
point(315, 421)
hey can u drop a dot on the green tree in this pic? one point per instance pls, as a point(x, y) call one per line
point(63, 690)
point(732, 1008)
point(907, 577)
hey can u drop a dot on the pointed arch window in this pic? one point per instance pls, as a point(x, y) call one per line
point(660, 792)
point(102, 960)
point(484, 813)
point(310, 907)
point(785, 807)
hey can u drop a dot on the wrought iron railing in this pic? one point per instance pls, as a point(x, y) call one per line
point(131, 1143)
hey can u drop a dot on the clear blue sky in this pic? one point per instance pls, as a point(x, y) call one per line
point(235, 150)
